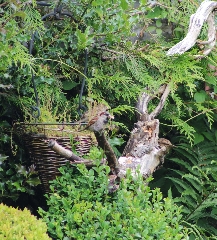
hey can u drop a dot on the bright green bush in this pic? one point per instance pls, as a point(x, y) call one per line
point(81, 207)
point(20, 225)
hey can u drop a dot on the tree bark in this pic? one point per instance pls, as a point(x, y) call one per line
point(110, 155)
point(144, 151)
point(205, 13)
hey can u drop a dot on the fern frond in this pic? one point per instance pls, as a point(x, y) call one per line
point(182, 163)
point(180, 183)
point(195, 181)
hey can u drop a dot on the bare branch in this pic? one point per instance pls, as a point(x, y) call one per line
point(204, 13)
point(160, 106)
point(66, 153)
point(143, 101)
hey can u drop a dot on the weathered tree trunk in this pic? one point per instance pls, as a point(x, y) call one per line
point(144, 149)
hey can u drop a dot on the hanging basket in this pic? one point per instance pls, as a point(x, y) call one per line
point(36, 138)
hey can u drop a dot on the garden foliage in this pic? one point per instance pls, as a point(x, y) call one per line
point(126, 44)
point(81, 207)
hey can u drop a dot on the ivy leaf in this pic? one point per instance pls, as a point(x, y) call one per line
point(200, 97)
point(68, 85)
point(2, 158)
point(34, 181)
point(21, 169)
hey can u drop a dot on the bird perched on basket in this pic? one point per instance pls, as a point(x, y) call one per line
point(96, 118)
point(97, 123)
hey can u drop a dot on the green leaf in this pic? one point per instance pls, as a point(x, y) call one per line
point(20, 14)
point(158, 23)
point(97, 2)
point(159, 31)
point(198, 138)
point(211, 80)
point(156, 12)
point(151, 28)
point(18, 186)
point(200, 96)
point(178, 29)
point(68, 85)
point(2, 158)
point(170, 195)
point(216, 135)
point(34, 181)
point(124, 4)
point(209, 136)
point(81, 38)
point(9, 172)
point(116, 141)
point(99, 12)
point(21, 169)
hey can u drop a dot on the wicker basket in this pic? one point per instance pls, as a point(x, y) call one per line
point(44, 158)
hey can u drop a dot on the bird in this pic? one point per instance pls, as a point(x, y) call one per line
point(98, 122)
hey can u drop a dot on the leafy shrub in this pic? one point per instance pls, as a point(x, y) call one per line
point(81, 207)
point(17, 225)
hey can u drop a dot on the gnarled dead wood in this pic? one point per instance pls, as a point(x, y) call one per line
point(144, 150)
point(203, 14)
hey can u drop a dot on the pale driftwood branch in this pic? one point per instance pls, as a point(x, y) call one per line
point(204, 13)
point(67, 153)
